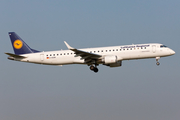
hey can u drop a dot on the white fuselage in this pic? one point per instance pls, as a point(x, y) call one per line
point(126, 52)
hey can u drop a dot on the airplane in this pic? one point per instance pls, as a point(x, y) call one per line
point(111, 56)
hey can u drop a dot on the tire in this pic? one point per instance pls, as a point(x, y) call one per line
point(157, 63)
point(91, 67)
point(95, 70)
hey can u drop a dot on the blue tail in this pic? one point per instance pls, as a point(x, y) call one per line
point(19, 46)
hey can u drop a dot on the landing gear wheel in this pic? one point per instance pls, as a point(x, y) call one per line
point(91, 67)
point(95, 69)
point(157, 63)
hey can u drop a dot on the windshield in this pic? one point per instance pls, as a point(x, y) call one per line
point(163, 46)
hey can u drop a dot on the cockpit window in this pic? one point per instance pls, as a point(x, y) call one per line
point(163, 46)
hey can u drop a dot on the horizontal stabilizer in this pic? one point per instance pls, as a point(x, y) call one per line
point(15, 56)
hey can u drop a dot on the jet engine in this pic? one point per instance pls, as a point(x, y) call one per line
point(111, 61)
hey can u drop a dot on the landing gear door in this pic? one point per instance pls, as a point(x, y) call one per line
point(154, 48)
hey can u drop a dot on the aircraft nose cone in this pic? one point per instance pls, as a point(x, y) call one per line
point(172, 52)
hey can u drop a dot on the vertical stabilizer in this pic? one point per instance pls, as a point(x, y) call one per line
point(19, 46)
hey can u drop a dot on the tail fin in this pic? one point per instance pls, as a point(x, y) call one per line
point(19, 46)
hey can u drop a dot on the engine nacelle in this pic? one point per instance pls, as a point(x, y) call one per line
point(117, 64)
point(110, 59)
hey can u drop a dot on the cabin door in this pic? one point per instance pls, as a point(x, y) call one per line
point(42, 57)
point(154, 48)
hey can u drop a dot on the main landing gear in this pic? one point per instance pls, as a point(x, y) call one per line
point(157, 61)
point(94, 68)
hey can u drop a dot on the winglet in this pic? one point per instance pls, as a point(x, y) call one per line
point(68, 46)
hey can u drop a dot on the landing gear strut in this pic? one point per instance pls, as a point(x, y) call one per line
point(94, 68)
point(157, 61)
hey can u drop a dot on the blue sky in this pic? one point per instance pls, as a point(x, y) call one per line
point(138, 90)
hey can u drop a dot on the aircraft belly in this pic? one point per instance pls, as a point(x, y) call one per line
point(124, 56)
point(59, 60)
point(78, 60)
point(32, 59)
point(142, 55)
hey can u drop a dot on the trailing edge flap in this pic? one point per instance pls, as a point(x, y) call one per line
point(15, 56)
point(83, 54)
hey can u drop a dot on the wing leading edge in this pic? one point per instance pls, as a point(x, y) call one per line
point(83, 54)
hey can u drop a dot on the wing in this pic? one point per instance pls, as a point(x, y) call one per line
point(88, 57)
point(15, 56)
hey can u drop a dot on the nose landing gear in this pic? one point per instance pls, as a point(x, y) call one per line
point(157, 61)
point(94, 68)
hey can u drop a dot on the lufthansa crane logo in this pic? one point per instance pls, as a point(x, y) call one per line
point(18, 44)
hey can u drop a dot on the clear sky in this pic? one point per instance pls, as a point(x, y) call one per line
point(139, 90)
